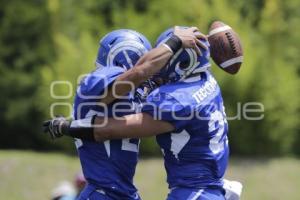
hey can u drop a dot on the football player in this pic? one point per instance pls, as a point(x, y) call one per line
point(123, 58)
point(188, 117)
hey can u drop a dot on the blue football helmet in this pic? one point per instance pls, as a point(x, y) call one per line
point(122, 48)
point(185, 62)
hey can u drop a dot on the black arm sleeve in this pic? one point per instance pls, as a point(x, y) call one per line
point(81, 129)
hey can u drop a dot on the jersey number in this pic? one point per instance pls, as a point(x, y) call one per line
point(216, 122)
point(126, 144)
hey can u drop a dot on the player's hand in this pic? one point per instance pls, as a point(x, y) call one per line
point(190, 38)
point(54, 127)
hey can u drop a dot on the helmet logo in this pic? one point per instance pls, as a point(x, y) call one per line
point(123, 48)
point(192, 63)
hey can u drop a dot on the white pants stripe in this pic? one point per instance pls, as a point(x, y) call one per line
point(195, 195)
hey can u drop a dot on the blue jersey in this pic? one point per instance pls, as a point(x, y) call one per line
point(196, 153)
point(108, 165)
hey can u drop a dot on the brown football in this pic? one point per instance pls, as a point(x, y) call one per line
point(225, 47)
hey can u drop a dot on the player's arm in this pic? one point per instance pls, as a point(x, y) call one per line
point(138, 125)
point(130, 126)
point(101, 128)
point(154, 61)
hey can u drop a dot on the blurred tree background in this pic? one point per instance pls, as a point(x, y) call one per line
point(46, 40)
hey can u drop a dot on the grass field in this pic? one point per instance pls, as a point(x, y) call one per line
point(29, 175)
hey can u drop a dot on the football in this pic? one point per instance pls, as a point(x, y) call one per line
point(225, 47)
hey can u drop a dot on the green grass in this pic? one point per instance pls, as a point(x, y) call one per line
point(29, 175)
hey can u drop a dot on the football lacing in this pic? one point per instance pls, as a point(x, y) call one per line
point(231, 42)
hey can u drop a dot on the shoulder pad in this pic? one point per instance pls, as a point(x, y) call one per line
point(95, 82)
